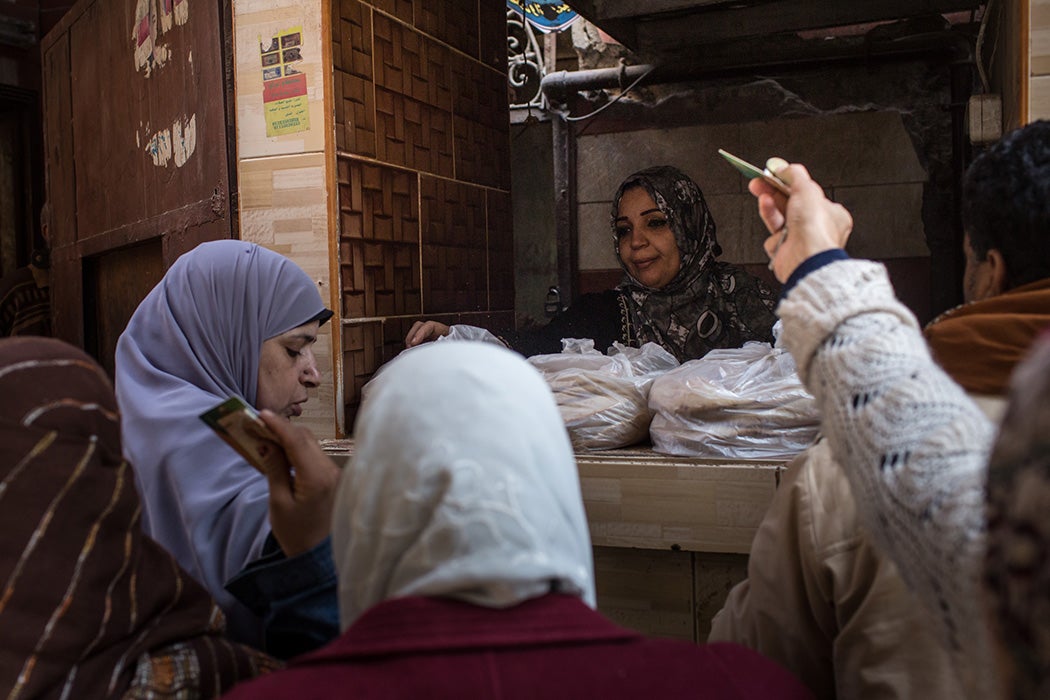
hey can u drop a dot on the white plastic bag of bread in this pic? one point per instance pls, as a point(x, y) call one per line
point(743, 403)
point(603, 399)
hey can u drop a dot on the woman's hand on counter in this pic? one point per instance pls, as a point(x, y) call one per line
point(802, 225)
point(300, 504)
point(424, 332)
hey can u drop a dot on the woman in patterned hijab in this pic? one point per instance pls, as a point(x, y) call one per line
point(90, 606)
point(1017, 566)
point(706, 304)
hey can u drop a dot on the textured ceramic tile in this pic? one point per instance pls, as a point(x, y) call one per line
point(362, 356)
point(648, 591)
point(354, 99)
point(604, 161)
point(596, 249)
point(887, 220)
point(860, 148)
point(452, 218)
point(379, 240)
point(455, 22)
point(402, 9)
point(1039, 40)
point(1039, 98)
point(493, 23)
point(283, 208)
point(500, 226)
point(481, 125)
point(739, 230)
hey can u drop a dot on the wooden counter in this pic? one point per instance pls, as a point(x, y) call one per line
point(670, 534)
point(638, 498)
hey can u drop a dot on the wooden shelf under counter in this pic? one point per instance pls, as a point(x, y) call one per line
point(670, 534)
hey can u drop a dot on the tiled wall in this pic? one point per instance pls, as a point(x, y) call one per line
point(282, 180)
point(423, 168)
point(1039, 84)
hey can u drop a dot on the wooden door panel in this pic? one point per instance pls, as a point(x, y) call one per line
point(135, 95)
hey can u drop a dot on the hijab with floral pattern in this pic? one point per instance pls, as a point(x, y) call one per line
point(709, 304)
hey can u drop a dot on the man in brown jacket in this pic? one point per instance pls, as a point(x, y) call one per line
point(821, 598)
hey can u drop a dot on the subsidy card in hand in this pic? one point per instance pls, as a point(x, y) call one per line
point(240, 427)
point(752, 171)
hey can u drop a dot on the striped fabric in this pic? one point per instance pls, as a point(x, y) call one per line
point(89, 606)
point(25, 307)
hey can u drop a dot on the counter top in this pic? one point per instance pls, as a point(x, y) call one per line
point(638, 498)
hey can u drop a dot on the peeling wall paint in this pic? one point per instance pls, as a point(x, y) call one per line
point(184, 140)
point(159, 147)
point(178, 143)
point(182, 12)
point(153, 18)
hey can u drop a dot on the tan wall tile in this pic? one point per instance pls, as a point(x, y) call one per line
point(887, 220)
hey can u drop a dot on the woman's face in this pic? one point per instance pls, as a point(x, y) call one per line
point(646, 242)
point(287, 368)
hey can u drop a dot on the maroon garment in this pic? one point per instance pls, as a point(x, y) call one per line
point(88, 601)
point(549, 647)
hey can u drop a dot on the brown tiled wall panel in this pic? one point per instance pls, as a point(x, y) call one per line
point(379, 240)
point(382, 201)
point(493, 33)
point(481, 154)
point(501, 250)
point(355, 129)
point(354, 91)
point(354, 37)
point(425, 233)
point(413, 99)
point(454, 22)
point(402, 9)
point(411, 64)
point(451, 213)
point(413, 134)
point(362, 356)
point(481, 116)
point(479, 93)
point(452, 221)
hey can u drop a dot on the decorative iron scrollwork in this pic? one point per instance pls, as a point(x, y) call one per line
point(525, 67)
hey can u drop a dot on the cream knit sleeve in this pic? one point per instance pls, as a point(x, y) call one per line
point(913, 445)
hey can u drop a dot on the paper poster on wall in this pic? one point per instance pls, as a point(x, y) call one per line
point(285, 104)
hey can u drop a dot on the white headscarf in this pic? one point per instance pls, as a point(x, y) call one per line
point(193, 342)
point(463, 485)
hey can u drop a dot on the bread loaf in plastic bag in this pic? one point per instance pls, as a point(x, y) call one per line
point(603, 399)
point(742, 403)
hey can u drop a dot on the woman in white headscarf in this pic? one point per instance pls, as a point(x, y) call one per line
point(464, 558)
point(229, 318)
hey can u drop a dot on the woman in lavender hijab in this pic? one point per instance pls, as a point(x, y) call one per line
point(229, 318)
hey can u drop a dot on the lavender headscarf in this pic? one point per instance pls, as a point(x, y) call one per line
point(193, 342)
point(709, 304)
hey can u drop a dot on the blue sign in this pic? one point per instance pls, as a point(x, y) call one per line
point(545, 15)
